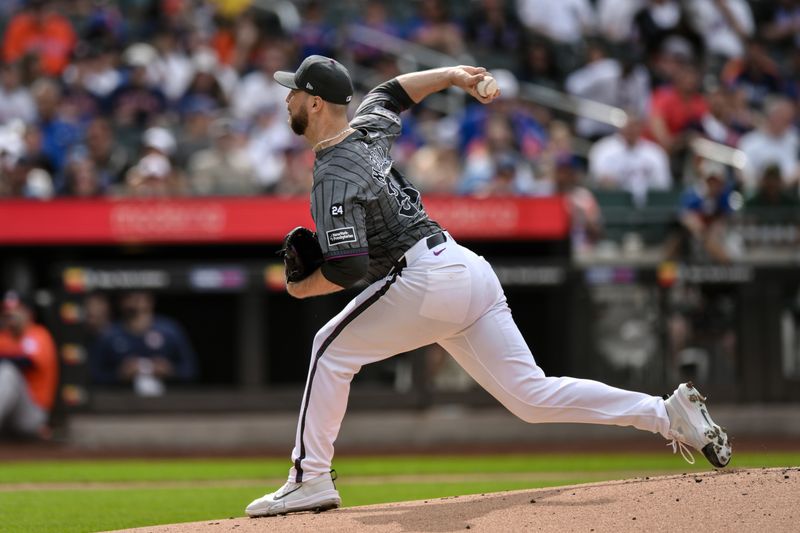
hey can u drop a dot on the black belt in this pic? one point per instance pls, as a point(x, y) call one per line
point(436, 239)
point(433, 241)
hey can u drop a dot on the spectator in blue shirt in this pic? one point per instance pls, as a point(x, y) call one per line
point(58, 131)
point(143, 348)
point(704, 212)
point(709, 200)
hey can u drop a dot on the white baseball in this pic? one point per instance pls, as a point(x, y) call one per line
point(487, 86)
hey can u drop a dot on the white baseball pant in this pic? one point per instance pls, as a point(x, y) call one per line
point(450, 296)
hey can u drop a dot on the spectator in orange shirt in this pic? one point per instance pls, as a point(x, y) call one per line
point(40, 31)
point(28, 371)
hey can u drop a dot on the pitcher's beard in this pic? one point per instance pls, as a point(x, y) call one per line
point(299, 122)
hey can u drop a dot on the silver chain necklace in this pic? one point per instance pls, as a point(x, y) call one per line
point(331, 138)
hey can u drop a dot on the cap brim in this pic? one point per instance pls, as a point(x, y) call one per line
point(285, 78)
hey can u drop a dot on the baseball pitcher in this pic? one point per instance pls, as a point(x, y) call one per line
point(423, 288)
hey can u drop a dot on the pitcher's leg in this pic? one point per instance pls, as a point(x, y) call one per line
point(494, 352)
point(340, 349)
point(335, 359)
point(380, 322)
point(322, 410)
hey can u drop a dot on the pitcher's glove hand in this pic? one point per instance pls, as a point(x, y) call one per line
point(301, 254)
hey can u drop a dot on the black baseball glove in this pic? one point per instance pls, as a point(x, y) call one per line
point(301, 253)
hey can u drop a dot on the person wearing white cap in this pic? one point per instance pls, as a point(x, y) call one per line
point(138, 101)
point(150, 177)
point(159, 139)
point(153, 175)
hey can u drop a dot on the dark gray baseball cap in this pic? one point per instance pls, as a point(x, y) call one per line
point(320, 76)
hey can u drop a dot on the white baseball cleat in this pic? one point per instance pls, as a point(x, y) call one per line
point(690, 424)
point(318, 494)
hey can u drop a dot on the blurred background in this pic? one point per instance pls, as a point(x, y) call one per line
point(635, 187)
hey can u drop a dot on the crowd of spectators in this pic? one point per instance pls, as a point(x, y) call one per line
point(152, 98)
point(164, 98)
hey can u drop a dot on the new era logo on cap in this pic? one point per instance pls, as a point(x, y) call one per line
point(320, 76)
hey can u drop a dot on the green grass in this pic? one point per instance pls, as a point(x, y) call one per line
point(222, 469)
point(53, 509)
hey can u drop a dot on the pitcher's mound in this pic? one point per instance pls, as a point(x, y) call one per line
point(734, 500)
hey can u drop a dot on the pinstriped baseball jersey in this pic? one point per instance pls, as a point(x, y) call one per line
point(360, 203)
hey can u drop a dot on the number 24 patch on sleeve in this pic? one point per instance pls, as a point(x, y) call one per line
point(341, 235)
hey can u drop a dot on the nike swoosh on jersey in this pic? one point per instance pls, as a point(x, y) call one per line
point(440, 251)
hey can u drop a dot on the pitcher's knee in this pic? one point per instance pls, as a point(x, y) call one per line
point(527, 401)
point(337, 363)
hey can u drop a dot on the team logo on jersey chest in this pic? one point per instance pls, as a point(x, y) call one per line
point(381, 163)
point(341, 235)
point(407, 198)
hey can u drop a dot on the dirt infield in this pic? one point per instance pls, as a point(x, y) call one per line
point(735, 500)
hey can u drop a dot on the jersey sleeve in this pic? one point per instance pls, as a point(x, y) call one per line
point(380, 110)
point(340, 218)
